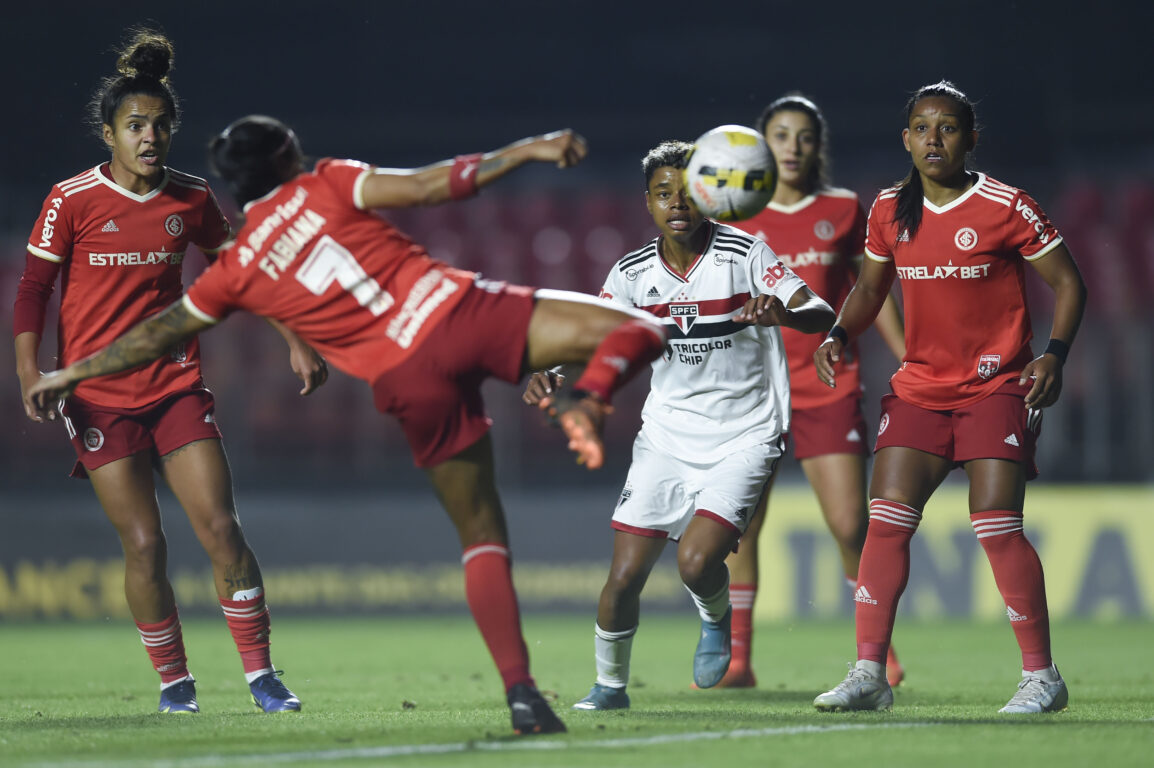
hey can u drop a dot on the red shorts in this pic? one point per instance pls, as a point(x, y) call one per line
point(837, 427)
point(436, 392)
point(996, 427)
point(101, 434)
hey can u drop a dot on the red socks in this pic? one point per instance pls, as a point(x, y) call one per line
point(621, 354)
point(882, 575)
point(165, 646)
point(249, 623)
point(741, 597)
point(1018, 574)
point(493, 602)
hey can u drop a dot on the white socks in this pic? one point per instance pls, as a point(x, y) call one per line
point(611, 652)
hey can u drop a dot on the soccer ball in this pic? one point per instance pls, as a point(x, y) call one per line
point(731, 173)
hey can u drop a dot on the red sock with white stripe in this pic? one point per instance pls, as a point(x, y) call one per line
point(1018, 574)
point(249, 622)
point(882, 575)
point(621, 354)
point(165, 645)
point(493, 602)
point(741, 596)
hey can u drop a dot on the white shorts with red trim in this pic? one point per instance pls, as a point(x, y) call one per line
point(663, 492)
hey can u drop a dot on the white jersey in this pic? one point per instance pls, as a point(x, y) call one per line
point(721, 385)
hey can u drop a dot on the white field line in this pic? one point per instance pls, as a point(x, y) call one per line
point(532, 744)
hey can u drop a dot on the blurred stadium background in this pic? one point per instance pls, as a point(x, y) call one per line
point(327, 491)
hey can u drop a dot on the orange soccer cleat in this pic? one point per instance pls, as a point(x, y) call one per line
point(895, 673)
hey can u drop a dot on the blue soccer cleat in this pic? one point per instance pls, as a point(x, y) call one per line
point(603, 697)
point(271, 695)
point(711, 661)
point(179, 698)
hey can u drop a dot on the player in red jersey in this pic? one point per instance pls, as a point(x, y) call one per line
point(818, 231)
point(969, 391)
point(117, 236)
point(423, 335)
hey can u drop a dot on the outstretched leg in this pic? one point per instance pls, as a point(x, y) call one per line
point(613, 345)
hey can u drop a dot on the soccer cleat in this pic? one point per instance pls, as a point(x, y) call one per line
point(859, 690)
point(1036, 695)
point(603, 697)
point(531, 713)
point(179, 698)
point(271, 695)
point(580, 416)
point(895, 672)
point(711, 660)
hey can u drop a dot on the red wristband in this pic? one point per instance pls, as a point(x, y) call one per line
point(463, 176)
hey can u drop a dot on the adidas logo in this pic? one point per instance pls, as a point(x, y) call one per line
point(110, 226)
point(863, 596)
point(1012, 439)
point(1014, 615)
point(653, 293)
point(853, 436)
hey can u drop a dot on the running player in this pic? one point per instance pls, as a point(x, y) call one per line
point(818, 231)
point(969, 392)
point(713, 423)
point(423, 335)
point(117, 235)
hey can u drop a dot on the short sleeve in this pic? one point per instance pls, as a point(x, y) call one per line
point(214, 230)
point(346, 177)
point(614, 289)
point(52, 234)
point(769, 275)
point(1031, 233)
point(877, 246)
point(210, 297)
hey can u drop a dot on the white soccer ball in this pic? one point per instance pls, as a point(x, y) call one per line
point(731, 173)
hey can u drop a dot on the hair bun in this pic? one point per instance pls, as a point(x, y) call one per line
point(149, 54)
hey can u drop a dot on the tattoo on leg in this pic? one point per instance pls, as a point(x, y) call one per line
point(243, 576)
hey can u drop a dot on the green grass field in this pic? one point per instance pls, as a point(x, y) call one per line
point(423, 692)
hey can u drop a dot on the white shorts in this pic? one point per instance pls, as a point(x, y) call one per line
point(663, 492)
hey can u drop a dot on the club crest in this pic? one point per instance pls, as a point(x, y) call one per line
point(684, 315)
point(988, 365)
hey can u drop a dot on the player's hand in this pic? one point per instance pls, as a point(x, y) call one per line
point(1046, 371)
point(824, 358)
point(309, 367)
point(564, 148)
point(41, 398)
point(765, 309)
point(541, 387)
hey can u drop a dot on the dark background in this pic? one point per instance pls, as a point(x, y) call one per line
point(1063, 96)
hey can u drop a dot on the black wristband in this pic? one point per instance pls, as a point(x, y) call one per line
point(1058, 349)
point(837, 332)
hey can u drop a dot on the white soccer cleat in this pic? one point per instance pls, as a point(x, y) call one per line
point(1036, 693)
point(860, 690)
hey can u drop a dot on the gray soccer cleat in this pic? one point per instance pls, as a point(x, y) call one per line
point(859, 690)
point(1037, 695)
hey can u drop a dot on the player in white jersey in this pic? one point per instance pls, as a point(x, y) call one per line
point(714, 420)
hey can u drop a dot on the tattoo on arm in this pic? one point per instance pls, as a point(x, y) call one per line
point(145, 342)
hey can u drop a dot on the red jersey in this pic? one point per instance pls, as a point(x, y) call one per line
point(344, 279)
point(121, 255)
point(963, 290)
point(819, 238)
